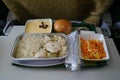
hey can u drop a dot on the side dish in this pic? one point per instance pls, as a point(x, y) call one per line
point(38, 26)
point(92, 49)
point(63, 26)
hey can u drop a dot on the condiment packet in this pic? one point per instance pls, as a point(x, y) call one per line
point(72, 62)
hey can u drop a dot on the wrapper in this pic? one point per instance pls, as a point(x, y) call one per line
point(72, 61)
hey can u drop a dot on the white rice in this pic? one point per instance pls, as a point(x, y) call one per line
point(37, 46)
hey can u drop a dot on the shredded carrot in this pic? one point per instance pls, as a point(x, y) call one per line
point(92, 49)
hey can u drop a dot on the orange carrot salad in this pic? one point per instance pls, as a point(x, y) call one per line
point(92, 49)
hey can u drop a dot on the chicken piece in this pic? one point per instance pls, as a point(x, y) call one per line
point(46, 38)
point(41, 54)
point(52, 46)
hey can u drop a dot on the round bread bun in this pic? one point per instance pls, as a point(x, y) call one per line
point(62, 26)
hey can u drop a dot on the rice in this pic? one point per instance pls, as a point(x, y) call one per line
point(41, 46)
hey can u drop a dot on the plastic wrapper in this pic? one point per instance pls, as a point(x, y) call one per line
point(72, 62)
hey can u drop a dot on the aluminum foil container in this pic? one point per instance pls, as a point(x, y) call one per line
point(38, 61)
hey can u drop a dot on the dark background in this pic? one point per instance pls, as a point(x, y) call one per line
point(3, 10)
point(115, 11)
point(115, 30)
point(3, 16)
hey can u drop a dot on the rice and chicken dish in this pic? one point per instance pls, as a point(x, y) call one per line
point(41, 46)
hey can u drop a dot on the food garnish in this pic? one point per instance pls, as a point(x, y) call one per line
point(43, 25)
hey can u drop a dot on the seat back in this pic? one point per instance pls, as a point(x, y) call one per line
point(55, 9)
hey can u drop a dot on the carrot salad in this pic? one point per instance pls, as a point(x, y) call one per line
point(92, 49)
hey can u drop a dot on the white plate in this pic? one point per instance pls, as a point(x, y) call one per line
point(87, 32)
point(97, 37)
